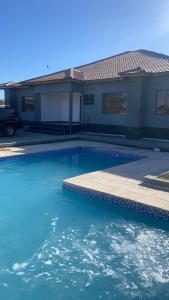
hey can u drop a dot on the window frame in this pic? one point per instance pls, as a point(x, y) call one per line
point(116, 94)
point(24, 108)
point(166, 114)
point(91, 99)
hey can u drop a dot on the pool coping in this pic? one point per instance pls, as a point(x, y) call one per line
point(137, 207)
point(130, 175)
point(40, 153)
point(90, 185)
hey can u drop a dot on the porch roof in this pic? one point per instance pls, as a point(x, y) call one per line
point(67, 75)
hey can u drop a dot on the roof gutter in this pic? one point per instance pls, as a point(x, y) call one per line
point(26, 85)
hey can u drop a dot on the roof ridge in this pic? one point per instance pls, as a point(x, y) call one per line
point(153, 52)
point(123, 53)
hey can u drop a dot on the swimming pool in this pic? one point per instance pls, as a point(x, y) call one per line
point(55, 244)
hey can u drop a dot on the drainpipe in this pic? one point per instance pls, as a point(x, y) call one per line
point(70, 111)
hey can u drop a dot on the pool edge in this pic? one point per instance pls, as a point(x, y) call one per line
point(138, 207)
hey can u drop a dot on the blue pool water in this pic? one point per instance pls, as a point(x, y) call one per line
point(59, 245)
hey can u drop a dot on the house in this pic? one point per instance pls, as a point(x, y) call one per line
point(126, 94)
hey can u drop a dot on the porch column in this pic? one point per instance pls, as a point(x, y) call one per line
point(70, 111)
point(37, 107)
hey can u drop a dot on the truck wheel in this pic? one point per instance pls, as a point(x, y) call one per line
point(9, 130)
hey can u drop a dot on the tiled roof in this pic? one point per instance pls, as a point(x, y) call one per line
point(62, 75)
point(124, 64)
point(112, 67)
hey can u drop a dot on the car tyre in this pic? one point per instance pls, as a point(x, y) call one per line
point(9, 130)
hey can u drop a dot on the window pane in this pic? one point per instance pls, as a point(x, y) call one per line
point(123, 104)
point(91, 99)
point(114, 103)
point(23, 104)
point(161, 103)
point(88, 99)
point(85, 99)
point(28, 104)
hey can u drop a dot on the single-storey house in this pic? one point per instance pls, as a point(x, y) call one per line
point(124, 94)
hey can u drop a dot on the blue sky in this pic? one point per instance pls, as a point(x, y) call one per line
point(67, 33)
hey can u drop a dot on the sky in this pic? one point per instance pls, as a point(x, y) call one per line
point(61, 34)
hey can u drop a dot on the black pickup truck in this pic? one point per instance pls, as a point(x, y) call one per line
point(9, 121)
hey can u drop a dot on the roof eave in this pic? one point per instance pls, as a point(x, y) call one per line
point(118, 78)
point(50, 81)
point(6, 87)
point(28, 84)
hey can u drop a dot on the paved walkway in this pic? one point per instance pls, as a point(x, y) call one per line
point(23, 138)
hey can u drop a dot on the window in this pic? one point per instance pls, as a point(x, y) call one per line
point(162, 102)
point(114, 103)
point(88, 99)
point(28, 104)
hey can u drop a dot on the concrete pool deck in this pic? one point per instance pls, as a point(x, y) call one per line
point(25, 138)
point(124, 181)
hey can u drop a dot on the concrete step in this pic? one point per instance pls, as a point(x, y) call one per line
point(55, 128)
point(54, 132)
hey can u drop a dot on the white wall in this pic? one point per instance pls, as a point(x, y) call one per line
point(55, 107)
